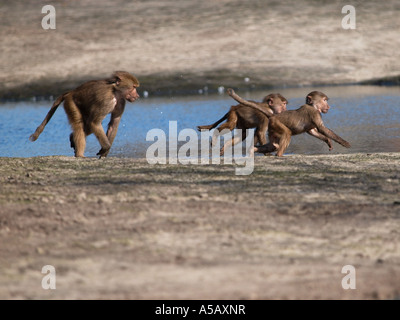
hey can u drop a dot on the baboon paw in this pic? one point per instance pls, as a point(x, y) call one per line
point(103, 152)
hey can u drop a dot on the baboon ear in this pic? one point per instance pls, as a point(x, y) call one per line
point(117, 80)
point(308, 100)
point(270, 101)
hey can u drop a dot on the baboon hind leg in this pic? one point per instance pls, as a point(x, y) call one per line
point(78, 136)
point(231, 142)
point(230, 124)
point(71, 141)
point(284, 140)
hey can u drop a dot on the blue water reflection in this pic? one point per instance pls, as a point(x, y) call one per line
point(367, 116)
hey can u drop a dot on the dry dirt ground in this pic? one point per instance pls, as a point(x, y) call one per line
point(124, 229)
point(181, 46)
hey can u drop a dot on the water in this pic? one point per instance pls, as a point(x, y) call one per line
point(366, 116)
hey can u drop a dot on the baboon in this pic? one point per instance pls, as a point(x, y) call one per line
point(88, 105)
point(244, 117)
point(307, 118)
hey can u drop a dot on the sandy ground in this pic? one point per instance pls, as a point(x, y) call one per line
point(125, 229)
point(186, 45)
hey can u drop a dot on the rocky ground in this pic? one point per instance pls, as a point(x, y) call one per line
point(124, 229)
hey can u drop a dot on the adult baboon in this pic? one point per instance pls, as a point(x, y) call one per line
point(88, 105)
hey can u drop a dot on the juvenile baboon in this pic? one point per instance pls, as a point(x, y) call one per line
point(307, 118)
point(88, 105)
point(244, 117)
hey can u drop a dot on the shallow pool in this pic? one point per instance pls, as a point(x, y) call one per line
point(366, 116)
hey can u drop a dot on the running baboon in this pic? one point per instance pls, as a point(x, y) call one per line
point(307, 118)
point(244, 117)
point(88, 105)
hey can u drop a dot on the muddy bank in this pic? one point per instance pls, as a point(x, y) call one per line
point(179, 47)
point(179, 84)
point(169, 84)
point(123, 229)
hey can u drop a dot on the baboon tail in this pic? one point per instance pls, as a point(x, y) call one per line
point(212, 126)
point(250, 104)
point(53, 109)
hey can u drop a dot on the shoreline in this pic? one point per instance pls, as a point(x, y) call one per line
point(186, 86)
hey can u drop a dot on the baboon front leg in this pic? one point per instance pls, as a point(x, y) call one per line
point(314, 132)
point(98, 131)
